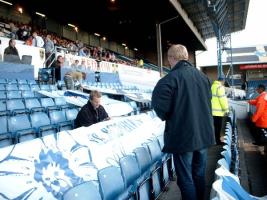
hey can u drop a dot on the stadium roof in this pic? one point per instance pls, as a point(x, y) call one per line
point(134, 21)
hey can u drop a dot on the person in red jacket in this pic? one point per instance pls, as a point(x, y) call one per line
point(260, 116)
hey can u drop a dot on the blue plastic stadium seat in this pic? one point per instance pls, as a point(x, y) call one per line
point(144, 189)
point(84, 191)
point(3, 81)
point(45, 87)
point(41, 122)
point(5, 138)
point(33, 105)
point(58, 119)
point(16, 106)
point(22, 81)
point(2, 87)
point(49, 104)
point(131, 174)
point(12, 87)
point(20, 128)
point(35, 87)
point(24, 87)
point(111, 184)
point(13, 94)
point(156, 158)
point(2, 95)
point(61, 103)
point(27, 94)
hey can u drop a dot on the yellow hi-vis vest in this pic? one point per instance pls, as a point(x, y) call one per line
point(219, 100)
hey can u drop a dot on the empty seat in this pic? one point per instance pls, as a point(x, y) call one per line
point(3, 110)
point(13, 94)
point(71, 114)
point(20, 128)
point(143, 158)
point(33, 105)
point(3, 81)
point(2, 87)
point(84, 191)
point(41, 123)
point(31, 82)
point(111, 184)
point(61, 102)
point(16, 106)
point(35, 87)
point(2, 95)
point(45, 87)
point(59, 120)
point(53, 87)
point(24, 87)
point(49, 104)
point(27, 94)
point(155, 154)
point(12, 87)
point(22, 82)
point(12, 81)
point(5, 138)
point(130, 173)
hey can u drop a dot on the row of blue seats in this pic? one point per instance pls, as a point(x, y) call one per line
point(227, 184)
point(30, 105)
point(17, 81)
point(27, 87)
point(142, 175)
point(24, 127)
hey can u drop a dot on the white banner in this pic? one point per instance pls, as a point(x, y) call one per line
point(137, 76)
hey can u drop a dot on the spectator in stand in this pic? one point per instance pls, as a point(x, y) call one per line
point(13, 31)
point(73, 77)
point(183, 99)
point(57, 67)
point(92, 112)
point(75, 65)
point(28, 41)
point(11, 53)
point(37, 40)
point(260, 116)
point(49, 48)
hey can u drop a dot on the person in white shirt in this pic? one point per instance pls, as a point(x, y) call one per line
point(37, 40)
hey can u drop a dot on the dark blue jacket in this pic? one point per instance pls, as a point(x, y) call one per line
point(88, 115)
point(183, 99)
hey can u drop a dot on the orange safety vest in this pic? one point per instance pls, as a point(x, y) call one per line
point(260, 116)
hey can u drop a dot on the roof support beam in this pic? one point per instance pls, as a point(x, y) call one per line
point(188, 21)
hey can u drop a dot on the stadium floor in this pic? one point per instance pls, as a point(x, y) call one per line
point(253, 166)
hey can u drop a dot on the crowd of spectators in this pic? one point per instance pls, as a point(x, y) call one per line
point(48, 41)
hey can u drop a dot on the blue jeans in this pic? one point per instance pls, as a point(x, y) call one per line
point(190, 170)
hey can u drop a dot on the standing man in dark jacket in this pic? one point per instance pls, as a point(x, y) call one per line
point(92, 112)
point(183, 99)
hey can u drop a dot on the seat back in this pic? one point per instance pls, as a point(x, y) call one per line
point(60, 101)
point(13, 94)
point(57, 116)
point(130, 169)
point(32, 103)
point(71, 114)
point(47, 102)
point(143, 158)
point(39, 119)
point(18, 122)
point(110, 182)
point(84, 191)
point(27, 94)
point(24, 87)
point(154, 151)
point(15, 105)
point(3, 127)
point(12, 87)
point(2, 95)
